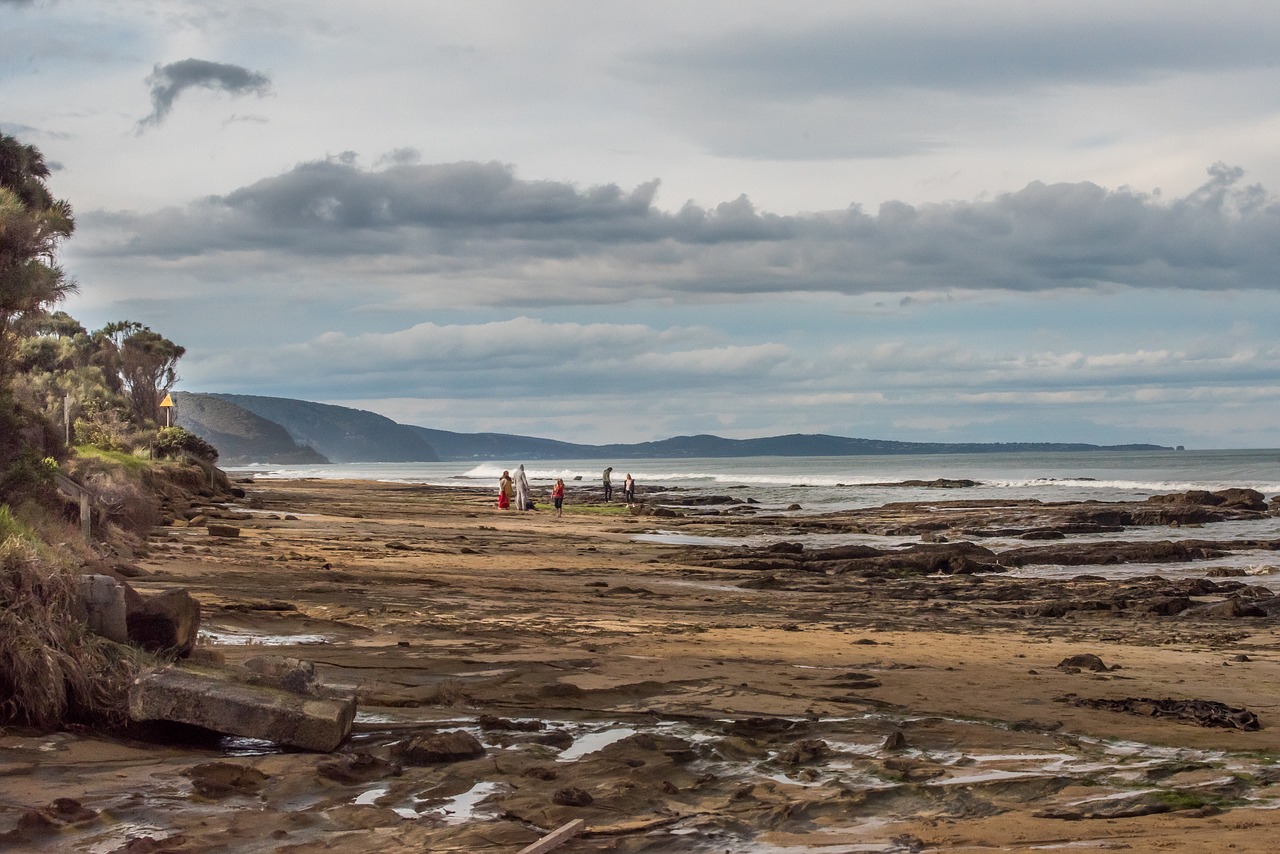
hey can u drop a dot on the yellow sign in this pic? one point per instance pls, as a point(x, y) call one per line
point(168, 401)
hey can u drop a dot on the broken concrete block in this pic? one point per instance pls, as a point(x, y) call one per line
point(214, 700)
point(104, 605)
point(166, 622)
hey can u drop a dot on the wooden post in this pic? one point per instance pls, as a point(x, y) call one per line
point(555, 838)
point(86, 514)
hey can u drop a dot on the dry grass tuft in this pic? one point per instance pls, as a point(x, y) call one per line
point(53, 670)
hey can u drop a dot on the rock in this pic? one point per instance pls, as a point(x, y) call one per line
point(39, 824)
point(756, 727)
point(1232, 607)
point(1163, 606)
point(439, 747)
point(215, 701)
point(226, 531)
point(492, 722)
point(786, 548)
point(1248, 499)
point(221, 779)
point(572, 796)
point(559, 739)
point(1200, 712)
point(1147, 803)
point(1043, 534)
point(809, 750)
point(358, 768)
point(166, 622)
point(1084, 661)
point(1109, 554)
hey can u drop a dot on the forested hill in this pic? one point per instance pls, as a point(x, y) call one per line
point(343, 434)
point(237, 433)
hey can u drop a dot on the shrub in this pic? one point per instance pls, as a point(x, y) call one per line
point(173, 442)
point(102, 426)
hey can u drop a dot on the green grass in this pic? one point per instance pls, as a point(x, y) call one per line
point(1180, 799)
point(132, 464)
point(11, 527)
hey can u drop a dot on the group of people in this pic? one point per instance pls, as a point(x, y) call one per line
point(628, 486)
point(515, 491)
point(518, 489)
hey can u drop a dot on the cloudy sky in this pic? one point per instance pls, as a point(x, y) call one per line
point(601, 221)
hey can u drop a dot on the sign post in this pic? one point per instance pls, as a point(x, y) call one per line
point(167, 406)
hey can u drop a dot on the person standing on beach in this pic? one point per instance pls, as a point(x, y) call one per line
point(504, 491)
point(608, 486)
point(629, 489)
point(557, 496)
point(522, 489)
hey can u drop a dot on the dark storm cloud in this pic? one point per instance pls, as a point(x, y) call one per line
point(170, 81)
point(945, 52)
point(473, 219)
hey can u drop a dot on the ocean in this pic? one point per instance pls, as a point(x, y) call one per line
point(828, 484)
point(824, 484)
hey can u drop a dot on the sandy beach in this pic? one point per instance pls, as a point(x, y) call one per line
point(674, 698)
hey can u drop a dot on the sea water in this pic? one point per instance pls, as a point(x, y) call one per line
point(800, 486)
point(824, 484)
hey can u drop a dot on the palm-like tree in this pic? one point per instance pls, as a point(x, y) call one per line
point(32, 225)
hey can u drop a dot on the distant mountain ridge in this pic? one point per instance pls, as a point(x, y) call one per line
point(343, 434)
point(238, 434)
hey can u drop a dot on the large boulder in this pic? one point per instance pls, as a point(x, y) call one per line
point(441, 747)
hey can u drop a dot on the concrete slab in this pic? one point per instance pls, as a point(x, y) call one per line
point(218, 701)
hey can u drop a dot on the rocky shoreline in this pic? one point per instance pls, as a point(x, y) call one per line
point(516, 672)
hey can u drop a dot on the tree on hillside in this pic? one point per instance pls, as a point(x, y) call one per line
point(32, 225)
point(143, 362)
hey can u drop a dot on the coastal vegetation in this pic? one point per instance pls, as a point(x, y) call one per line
point(79, 416)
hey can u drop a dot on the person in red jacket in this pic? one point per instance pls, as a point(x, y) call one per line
point(557, 496)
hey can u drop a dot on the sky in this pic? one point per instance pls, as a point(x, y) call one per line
point(603, 222)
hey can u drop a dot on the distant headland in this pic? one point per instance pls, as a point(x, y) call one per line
point(248, 428)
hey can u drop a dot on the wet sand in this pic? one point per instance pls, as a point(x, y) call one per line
point(673, 699)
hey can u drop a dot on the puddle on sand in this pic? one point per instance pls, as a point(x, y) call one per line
point(121, 834)
point(455, 810)
point(593, 741)
point(234, 745)
point(465, 807)
point(370, 798)
point(234, 638)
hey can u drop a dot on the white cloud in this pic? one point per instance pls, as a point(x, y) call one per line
point(962, 221)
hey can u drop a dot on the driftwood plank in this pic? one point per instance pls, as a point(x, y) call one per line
point(555, 838)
